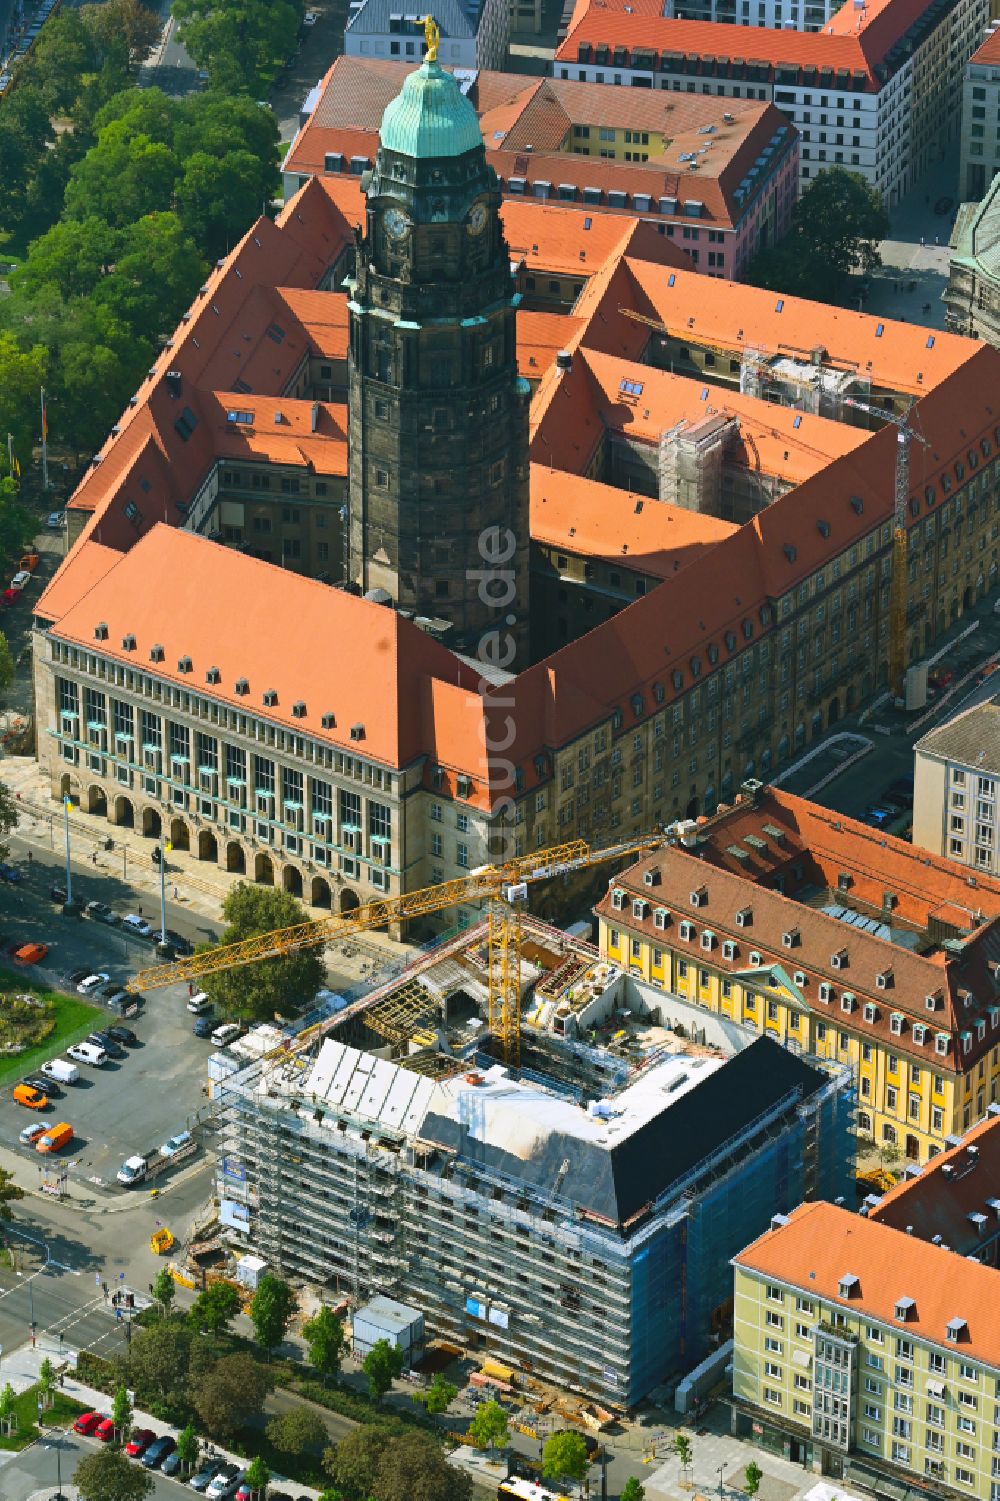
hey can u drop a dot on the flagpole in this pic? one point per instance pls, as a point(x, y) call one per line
point(45, 444)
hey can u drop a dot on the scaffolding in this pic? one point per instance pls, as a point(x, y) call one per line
point(402, 1012)
point(691, 457)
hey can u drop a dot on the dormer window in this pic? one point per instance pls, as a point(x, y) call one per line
point(242, 687)
point(686, 930)
point(270, 699)
point(463, 786)
point(708, 939)
point(660, 918)
point(699, 897)
point(618, 900)
point(156, 653)
point(128, 642)
point(847, 1001)
point(905, 1310)
point(755, 959)
point(729, 949)
point(919, 1033)
point(101, 631)
point(790, 940)
point(839, 959)
point(883, 980)
point(213, 675)
point(328, 721)
point(849, 1285)
point(896, 1024)
point(639, 908)
point(744, 917)
point(931, 1002)
point(941, 1041)
point(299, 709)
point(956, 1330)
point(651, 877)
point(184, 664)
point(871, 1011)
point(825, 990)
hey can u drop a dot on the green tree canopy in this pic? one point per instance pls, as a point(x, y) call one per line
point(752, 1477)
point(324, 1337)
point(241, 43)
point(354, 1462)
point(215, 1308)
point(439, 1395)
point(836, 228)
point(109, 1476)
point(124, 176)
point(382, 1365)
point(564, 1456)
point(121, 1412)
point(164, 1289)
point(633, 1490)
point(489, 1426)
point(228, 1394)
point(258, 1475)
point(22, 374)
point(255, 992)
point(413, 1468)
point(122, 27)
point(188, 1448)
point(158, 1361)
point(297, 1430)
point(158, 270)
point(271, 1309)
point(9, 1191)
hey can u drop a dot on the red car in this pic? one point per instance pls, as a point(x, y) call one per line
point(105, 1431)
point(139, 1442)
point(87, 1422)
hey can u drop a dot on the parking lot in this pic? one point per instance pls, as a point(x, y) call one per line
point(130, 1104)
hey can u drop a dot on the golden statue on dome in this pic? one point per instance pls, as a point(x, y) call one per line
point(432, 35)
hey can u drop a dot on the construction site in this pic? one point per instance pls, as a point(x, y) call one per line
point(556, 1186)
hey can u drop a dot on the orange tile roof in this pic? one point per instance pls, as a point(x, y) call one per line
point(311, 435)
point(255, 621)
point(540, 336)
point(987, 54)
point(598, 521)
point(84, 566)
point(940, 1198)
point(822, 1243)
point(323, 315)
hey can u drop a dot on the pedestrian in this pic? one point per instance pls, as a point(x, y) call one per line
point(190, 990)
point(30, 857)
point(175, 893)
point(93, 858)
point(921, 240)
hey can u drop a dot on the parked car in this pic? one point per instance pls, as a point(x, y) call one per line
point(31, 1133)
point(31, 953)
point(31, 1099)
point(88, 1052)
point(124, 1035)
point(44, 1086)
point(58, 1068)
point(205, 1474)
point(227, 1033)
point(158, 1451)
point(87, 1422)
point(59, 895)
point(111, 990)
point(198, 1003)
point(75, 976)
point(101, 912)
point(179, 943)
point(139, 1442)
point(879, 817)
point(55, 1138)
point(21, 577)
point(55, 521)
point(171, 1464)
point(175, 1144)
point(204, 1026)
point(105, 1431)
point(11, 873)
point(224, 1483)
point(310, 18)
point(93, 982)
point(102, 1040)
point(133, 923)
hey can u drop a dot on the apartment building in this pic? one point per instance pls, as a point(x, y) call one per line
point(799, 15)
point(733, 166)
point(956, 777)
point(474, 33)
point(842, 944)
point(869, 1355)
point(598, 1259)
point(954, 1201)
point(980, 137)
point(876, 90)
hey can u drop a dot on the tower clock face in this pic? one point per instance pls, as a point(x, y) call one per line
point(476, 221)
point(397, 225)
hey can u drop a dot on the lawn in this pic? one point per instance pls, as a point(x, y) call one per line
point(53, 1026)
point(60, 1415)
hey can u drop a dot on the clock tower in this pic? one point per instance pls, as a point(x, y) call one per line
point(438, 416)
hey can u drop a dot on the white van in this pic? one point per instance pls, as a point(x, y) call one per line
point(61, 1071)
point(228, 1032)
point(88, 1052)
point(198, 1003)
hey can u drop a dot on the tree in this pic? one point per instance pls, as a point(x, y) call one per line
point(439, 1395)
point(382, 1365)
point(298, 1429)
point(8, 1399)
point(353, 1463)
point(157, 272)
point(324, 1337)
point(9, 1191)
point(158, 1362)
point(836, 228)
point(683, 1450)
point(122, 177)
point(489, 1426)
point(121, 1413)
point(122, 24)
point(271, 1309)
point(109, 1476)
point(412, 1468)
point(214, 1308)
point(752, 1477)
point(258, 1476)
point(164, 1289)
point(564, 1457)
point(254, 992)
point(22, 374)
point(633, 1490)
point(219, 197)
point(46, 1381)
point(241, 43)
point(188, 1448)
point(229, 1394)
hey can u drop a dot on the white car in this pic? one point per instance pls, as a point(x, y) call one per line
point(228, 1032)
point(32, 1133)
point(20, 578)
point(175, 1144)
point(198, 1003)
point(55, 521)
point(136, 924)
point(93, 982)
point(310, 18)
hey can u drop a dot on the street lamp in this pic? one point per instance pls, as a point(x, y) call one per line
point(167, 847)
point(54, 1442)
point(31, 1305)
point(69, 906)
point(722, 1471)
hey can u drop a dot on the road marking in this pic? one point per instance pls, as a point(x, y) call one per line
point(62, 1267)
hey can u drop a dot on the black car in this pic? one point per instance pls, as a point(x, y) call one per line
point(124, 1035)
point(204, 1026)
point(59, 894)
point(100, 912)
point(103, 1040)
point(179, 943)
point(45, 1086)
point(75, 976)
point(158, 1451)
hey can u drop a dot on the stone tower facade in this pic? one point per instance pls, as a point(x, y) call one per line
point(438, 429)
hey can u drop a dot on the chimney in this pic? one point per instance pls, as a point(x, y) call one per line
point(564, 362)
point(173, 380)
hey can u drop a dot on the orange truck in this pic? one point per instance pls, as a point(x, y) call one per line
point(59, 1136)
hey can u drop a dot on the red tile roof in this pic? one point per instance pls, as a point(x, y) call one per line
point(987, 54)
point(821, 1243)
point(939, 1200)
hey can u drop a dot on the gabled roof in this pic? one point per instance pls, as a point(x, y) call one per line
point(821, 1243)
point(972, 738)
point(954, 1198)
point(987, 54)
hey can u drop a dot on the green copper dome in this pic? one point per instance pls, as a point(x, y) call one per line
point(430, 117)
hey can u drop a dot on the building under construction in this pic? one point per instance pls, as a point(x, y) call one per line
point(572, 1218)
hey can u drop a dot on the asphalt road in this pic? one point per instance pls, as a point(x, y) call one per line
point(131, 1104)
point(37, 1469)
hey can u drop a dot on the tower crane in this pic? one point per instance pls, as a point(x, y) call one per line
point(899, 585)
point(504, 887)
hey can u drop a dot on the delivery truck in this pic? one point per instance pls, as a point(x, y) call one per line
point(139, 1169)
point(55, 1138)
point(61, 1071)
